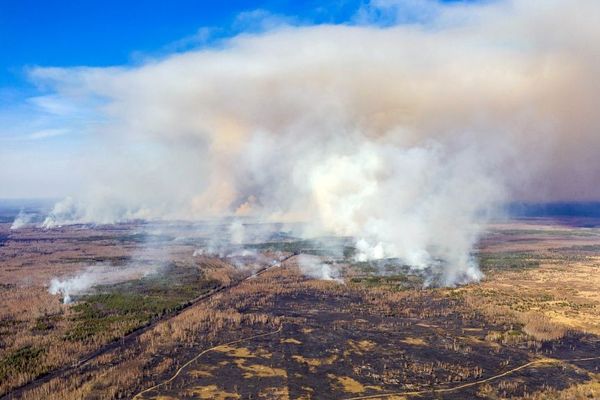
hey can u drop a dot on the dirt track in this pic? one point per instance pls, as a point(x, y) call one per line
point(471, 384)
point(376, 396)
point(184, 366)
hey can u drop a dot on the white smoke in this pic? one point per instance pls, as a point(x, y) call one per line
point(150, 257)
point(404, 137)
point(314, 267)
point(224, 239)
point(236, 231)
point(367, 251)
point(95, 276)
point(99, 210)
point(22, 220)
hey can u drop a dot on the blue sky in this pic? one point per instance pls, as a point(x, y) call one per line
point(100, 33)
point(94, 33)
point(35, 123)
point(115, 32)
point(45, 125)
point(112, 32)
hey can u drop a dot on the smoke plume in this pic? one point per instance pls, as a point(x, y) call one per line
point(22, 220)
point(314, 267)
point(405, 135)
point(94, 276)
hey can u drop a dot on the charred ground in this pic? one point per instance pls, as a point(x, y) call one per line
point(376, 333)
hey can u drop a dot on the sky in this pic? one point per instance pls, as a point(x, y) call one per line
point(65, 33)
point(69, 33)
point(37, 127)
point(44, 131)
point(111, 32)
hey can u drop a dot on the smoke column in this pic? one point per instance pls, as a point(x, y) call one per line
point(93, 276)
point(22, 220)
point(406, 136)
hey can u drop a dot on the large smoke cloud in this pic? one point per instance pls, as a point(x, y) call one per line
point(405, 137)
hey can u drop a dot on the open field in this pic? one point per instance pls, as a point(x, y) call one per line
point(529, 330)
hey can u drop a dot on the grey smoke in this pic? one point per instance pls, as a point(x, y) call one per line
point(406, 137)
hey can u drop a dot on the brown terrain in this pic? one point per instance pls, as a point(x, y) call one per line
point(253, 326)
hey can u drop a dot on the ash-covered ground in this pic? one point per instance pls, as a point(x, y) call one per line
point(239, 309)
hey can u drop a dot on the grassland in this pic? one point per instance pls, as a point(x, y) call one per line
point(38, 334)
point(529, 330)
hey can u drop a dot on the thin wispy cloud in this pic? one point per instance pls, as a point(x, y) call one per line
point(53, 104)
point(46, 133)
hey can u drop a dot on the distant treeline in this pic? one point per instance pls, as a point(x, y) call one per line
point(555, 209)
point(10, 208)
